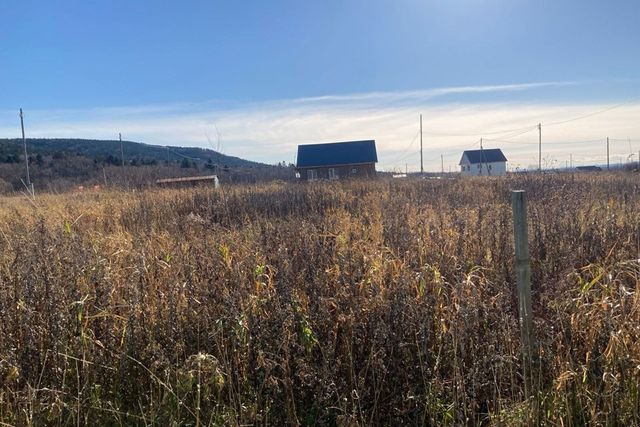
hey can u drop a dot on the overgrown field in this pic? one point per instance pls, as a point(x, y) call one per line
point(381, 303)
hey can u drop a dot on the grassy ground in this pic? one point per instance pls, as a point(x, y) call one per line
point(380, 303)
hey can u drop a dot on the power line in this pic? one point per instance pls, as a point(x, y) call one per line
point(181, 155)
point(459, 147)
point(528, 128)
point(515, 132)
point(586, 115)
point(395, 163)
point(402, 158)
point(511, 142)
point(519, 133)
point(551, 143)
point(405, 152)
point(625, 140)
point(510, 136)
point(586, 141)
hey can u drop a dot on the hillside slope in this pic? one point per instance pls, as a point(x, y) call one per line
point(109, 151)
point(65, 164)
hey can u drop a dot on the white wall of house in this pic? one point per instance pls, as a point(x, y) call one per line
point(482, 169)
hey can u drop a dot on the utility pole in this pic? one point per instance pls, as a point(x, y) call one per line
point(121, 149)
point(540, 147)
point(26, 156)
point(442, 163)
point(571, 160)
point(406, 169)
point(421, 163)
point(481, 156)
point(607, 153)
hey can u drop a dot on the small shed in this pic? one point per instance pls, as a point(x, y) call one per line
point(189, 181)
point(483, 162)
point(337, 160)
point(588, 168)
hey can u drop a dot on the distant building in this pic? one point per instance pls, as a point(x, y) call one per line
point(337, 160)
point(483, 162)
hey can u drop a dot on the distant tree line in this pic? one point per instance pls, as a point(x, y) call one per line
point(16, 158)
point(10, 158)
point(117, 161)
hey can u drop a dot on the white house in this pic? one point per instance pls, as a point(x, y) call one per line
point(483, 162)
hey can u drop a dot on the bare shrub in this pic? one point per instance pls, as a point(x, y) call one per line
point(356, 303)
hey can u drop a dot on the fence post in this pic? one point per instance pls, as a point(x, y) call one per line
point(523, 279)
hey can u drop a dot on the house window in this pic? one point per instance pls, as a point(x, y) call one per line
point(354, 170)
point(333, 173)
point(479, 166)
point(489, 167)
point(312, 175)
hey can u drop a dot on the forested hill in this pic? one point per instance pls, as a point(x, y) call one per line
point(108, 151)
point(67, 164)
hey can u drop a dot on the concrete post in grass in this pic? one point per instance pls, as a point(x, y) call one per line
point(523, 280)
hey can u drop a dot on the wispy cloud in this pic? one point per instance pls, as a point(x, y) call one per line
point(429, 94)
point(270, 131)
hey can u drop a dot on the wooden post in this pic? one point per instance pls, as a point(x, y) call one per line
point(523, 278)
point(121, 148)
point(26, 156)
point(421, 164)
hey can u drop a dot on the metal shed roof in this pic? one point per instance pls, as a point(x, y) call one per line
point(484, 156)
point(336, 154)
point(187, 179)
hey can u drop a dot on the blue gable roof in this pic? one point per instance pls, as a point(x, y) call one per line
point(484, 156)
point(337, 154)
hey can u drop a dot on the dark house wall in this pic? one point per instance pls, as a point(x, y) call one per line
point(347, 171)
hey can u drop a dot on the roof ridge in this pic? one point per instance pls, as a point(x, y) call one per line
point(336, 142)
point(484, 155)
point(337, 153)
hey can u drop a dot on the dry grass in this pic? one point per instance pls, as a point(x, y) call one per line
point(379, 303)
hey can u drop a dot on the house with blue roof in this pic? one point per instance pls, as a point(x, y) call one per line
point(483, 162)
point(337, 160)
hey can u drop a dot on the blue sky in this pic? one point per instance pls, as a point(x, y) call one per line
point(91, 69)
